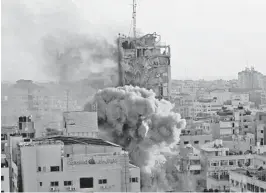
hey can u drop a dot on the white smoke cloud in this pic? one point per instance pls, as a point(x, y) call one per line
point(147, 128)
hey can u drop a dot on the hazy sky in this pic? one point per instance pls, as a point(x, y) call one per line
point(209, 39)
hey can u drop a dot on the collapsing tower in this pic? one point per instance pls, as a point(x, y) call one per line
point(144, 62)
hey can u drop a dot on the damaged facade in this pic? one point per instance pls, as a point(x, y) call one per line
point(144, 62)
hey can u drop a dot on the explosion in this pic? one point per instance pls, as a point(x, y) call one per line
point(147, 128)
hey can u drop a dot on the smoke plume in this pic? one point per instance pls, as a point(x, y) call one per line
point(71, 56)
point(133, 118)
point(54, 40)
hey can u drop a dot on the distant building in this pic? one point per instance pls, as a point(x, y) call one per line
point(221, 95)
point(195, 137)
point(250, 78)
point(260, 127)
point(80, 123)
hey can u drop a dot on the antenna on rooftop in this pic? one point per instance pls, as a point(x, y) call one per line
point(134, 15)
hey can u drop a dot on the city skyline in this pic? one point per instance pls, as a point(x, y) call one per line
point(222, 37)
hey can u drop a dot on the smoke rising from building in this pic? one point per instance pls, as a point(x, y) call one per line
point(49, 37)
point(71, 56)
point(144, 126)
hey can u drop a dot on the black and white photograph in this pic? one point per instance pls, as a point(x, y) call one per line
point(133, 96)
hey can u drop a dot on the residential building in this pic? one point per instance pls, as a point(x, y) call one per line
point(190, 160)
point(221, 95)
point(222, 159)
point(210, 106)
point(260, 128)
point(250, 78)
point(195, 137)
point(241, 97)
point(184, 105)
point(5, 185)
point(248, 180)
point(71, 163)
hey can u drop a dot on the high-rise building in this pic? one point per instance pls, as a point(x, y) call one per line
point(145, 62)
point(250, 79)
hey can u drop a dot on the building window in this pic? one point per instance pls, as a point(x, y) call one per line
point(2, 178)
point(103, 181)
point(40, 183)
point(215, 163)
point(67, 183)
point(134, 180)
point(261, 131)
point(86, 182)
point(39, 169)
point(55, 183)
point(207, 141)
point(54, 168)
point(185, 142)
point(196, 142)
point(232, 162)
point(67, 155)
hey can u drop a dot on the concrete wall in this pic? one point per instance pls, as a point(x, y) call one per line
point(5, 185)
point(202, 139)
point(45, 156)
point(135, 172)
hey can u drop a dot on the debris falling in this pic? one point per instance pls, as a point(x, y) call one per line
point(133, 118)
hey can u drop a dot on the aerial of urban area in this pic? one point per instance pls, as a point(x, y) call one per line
point(93, 101)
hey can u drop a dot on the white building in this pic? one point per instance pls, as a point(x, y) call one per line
point(242, 180)
point(70, 163)
point(5, 185)
point(221, 95)
point(209, 106)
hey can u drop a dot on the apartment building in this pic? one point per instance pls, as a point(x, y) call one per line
point(190, 160)
point(260, 128)
point(250, 78)
point(221, 95)
point(195, 137)
point(71, 163)
point(221, 159)
point(248, 180)
point(5, 185)
point(210, 106)
point(184, 105)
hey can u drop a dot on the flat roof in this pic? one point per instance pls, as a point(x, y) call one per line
point(70, 140)
point(251, 172)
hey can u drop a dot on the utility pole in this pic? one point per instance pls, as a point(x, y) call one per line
point(134, 15)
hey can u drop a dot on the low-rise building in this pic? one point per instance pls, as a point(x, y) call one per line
point(71, 163)
point(248, 180)
point(195, 137)
point(190, 160)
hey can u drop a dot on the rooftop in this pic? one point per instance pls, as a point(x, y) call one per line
point(259, 174)
point(70, 140)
